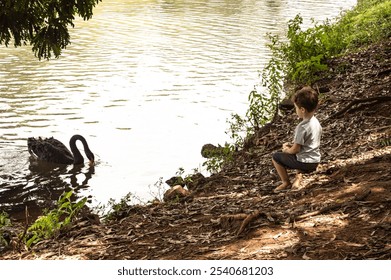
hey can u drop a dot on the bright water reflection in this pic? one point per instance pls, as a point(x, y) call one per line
point(146, 82)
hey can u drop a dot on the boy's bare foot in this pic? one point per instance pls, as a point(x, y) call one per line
point(297, 182)
point(282, 187)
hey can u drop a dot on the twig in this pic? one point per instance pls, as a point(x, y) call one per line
point(26, 213)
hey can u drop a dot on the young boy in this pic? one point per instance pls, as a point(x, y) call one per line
point(303, 155)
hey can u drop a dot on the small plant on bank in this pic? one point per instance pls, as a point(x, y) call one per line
point(119, 207)
point(4, 222)
point(114, 210)
point(54, 220)
point(158, 190)
point(183, 179)
point(216, 162)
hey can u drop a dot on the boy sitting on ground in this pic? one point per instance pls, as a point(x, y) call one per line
point(304, 154)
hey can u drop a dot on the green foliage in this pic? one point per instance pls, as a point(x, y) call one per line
point(158, 190)
point(43, 23)
point(306, 69)
point(122, 204)
point(386, 141)
point(183, 179)
point(304, 53)
point(115, 210)
point(369, 22)
point(180, 171)
point(53, 221)
point(237, 129)
point(4, 222)
point(216, 162)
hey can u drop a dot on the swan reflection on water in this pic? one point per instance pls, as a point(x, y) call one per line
point(43, 185)
point(58, 175)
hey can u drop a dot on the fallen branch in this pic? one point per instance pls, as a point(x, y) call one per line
point(371, 101)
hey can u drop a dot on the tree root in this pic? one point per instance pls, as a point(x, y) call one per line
point(247, 219)
point(334, 206)
point(370, 102)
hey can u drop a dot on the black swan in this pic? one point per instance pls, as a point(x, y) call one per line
point(52, 150)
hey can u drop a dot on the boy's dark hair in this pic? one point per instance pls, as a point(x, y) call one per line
point(307, 98)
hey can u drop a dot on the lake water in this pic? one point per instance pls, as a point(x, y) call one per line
point(146, 82)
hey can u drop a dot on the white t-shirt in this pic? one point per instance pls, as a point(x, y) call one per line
point(308, 134)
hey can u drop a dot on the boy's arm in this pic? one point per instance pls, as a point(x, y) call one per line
point(291, 149)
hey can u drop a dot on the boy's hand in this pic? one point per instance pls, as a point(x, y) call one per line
point(285, 146)
point(291, 148)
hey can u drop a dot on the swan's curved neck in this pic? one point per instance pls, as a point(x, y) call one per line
point(77, 157)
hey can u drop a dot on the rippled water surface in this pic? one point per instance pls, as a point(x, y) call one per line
point(146, 82)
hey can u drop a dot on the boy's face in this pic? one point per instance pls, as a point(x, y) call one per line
point(300, 111)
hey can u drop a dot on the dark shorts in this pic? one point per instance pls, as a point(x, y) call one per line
point(290, 161)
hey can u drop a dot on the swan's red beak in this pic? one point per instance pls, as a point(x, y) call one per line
point(91, 158)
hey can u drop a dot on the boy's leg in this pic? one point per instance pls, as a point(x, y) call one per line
point(283, 175)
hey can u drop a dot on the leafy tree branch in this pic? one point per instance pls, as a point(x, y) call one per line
point(42, 23)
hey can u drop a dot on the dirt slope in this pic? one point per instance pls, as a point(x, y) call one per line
point(342, 211)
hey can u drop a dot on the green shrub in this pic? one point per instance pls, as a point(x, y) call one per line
point(370, 22)
point(216, 162)
point(53, 221)
point(4, 222)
